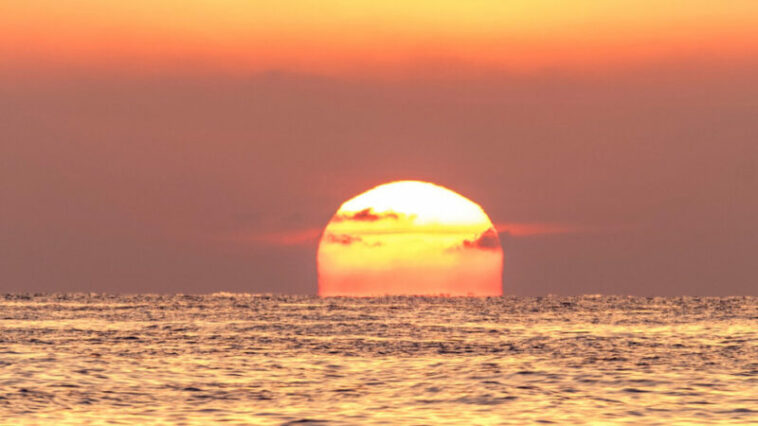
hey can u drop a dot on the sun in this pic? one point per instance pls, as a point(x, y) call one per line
point(410, 238)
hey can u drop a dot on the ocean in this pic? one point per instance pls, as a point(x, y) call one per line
point(236, 358)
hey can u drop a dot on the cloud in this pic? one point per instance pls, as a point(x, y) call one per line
point(488, 240)
point(346, 240)
point(303, 237)
point(343, 239)
point(366, 215)
point(527, 229)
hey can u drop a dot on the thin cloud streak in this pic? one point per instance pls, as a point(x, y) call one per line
point(529, 229)
point(311, 236)
point(302, 237)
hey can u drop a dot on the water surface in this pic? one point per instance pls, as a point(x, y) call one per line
point(74, 358)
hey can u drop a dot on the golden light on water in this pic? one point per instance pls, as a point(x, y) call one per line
point(410, 237)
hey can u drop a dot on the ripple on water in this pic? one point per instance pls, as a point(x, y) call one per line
point(297, 360)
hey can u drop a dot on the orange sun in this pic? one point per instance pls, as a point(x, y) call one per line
point(412, 238)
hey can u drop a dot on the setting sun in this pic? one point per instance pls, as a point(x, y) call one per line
point(410, 237)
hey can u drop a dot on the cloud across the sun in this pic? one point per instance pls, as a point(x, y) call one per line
point(311, 236)
point(488, 240)
point(366, 215)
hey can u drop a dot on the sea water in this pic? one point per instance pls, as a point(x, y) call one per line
point(79, 358)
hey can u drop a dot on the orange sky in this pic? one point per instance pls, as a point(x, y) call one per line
point(335, 36)
point(170, 146)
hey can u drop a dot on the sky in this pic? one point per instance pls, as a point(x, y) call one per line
point(201, 146)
